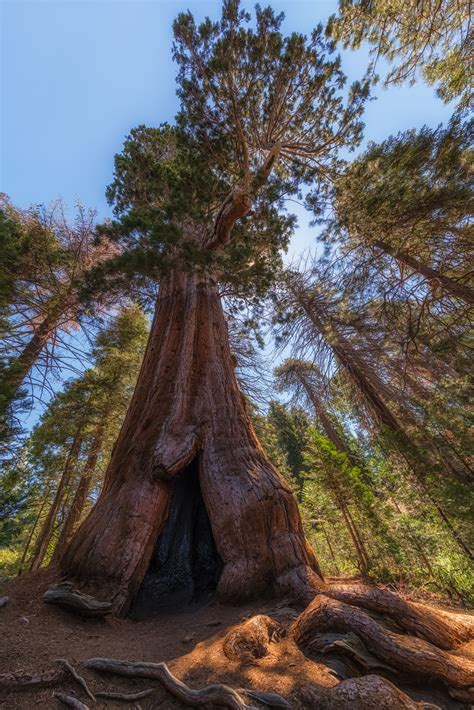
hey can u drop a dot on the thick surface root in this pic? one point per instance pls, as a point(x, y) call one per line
point(368, 693)
point(443, 629)
point(251, 638)
point(405, 653)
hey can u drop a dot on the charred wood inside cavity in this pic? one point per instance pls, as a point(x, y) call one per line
point(185, 566)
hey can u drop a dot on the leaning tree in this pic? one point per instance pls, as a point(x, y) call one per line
point(190, 501)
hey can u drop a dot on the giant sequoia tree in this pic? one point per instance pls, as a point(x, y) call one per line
point(190, 500)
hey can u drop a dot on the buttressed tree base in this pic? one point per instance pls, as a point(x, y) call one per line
point(187, 411)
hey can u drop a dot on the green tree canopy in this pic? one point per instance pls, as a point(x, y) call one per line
point(431, 38)
point(413, 192)
point(260, 114)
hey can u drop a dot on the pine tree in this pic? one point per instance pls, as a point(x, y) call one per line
point(432, 39)
point(316, 317)
point(409, 199)
point(47, 259)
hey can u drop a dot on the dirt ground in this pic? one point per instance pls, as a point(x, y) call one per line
point(33, 635)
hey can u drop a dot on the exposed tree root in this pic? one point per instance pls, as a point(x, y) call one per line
point(19, 680)
point(368, 693)
point(464, 695)
point(406, 653)
point(349, 645)
point(78, 678)
point(217, 694)
point(271, 700)
point(251, 638)
point(70, 702)
point(127, 697)
point(444, 629)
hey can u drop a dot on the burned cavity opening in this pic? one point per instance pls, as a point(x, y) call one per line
point(185, 567)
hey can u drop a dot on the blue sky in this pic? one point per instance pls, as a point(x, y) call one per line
point(77, 75)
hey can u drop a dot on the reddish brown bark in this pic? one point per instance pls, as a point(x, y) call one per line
point(371, 692)
point(187, 406)
point(435, 277)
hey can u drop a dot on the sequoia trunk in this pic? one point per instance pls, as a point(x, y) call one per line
point(187, 407)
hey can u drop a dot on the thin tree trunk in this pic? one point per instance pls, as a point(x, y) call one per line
point(424, 556)
point(356, 540)
point(48, 525)
point(352, 529)
point(77, 505)
point(187, 408)
point(331, 550)
point(328, 427)
point(449, 285)
point(356, 370)
point(383, 414)
point(33, 529)
point(28, 357)
point(429, 441)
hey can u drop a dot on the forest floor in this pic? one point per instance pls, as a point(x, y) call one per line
point(34, 635)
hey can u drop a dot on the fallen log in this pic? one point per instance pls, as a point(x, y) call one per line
point(406, 653)
point(443, 629)
point(65, 596)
